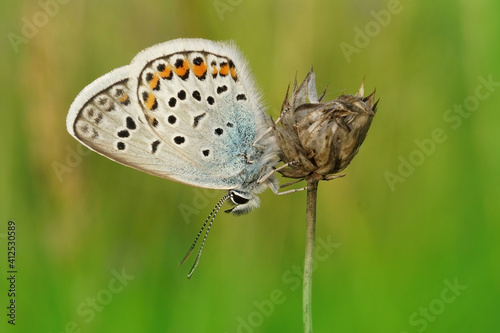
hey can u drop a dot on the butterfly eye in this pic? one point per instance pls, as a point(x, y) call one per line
point(243, 202)
point(238, 200)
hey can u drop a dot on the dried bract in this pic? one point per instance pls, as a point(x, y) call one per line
point(319, 139)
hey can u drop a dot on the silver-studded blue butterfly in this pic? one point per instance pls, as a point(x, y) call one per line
point(186, 110)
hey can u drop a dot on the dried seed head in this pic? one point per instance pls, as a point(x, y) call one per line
point(321, 138)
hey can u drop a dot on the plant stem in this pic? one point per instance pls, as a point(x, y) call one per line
point(312, 191)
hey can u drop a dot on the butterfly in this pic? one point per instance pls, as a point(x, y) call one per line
point(187, 110)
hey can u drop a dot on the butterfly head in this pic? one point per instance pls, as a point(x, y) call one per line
point(243, 201)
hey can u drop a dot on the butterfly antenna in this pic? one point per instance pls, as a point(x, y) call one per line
point(198, 235)
point(211, 218)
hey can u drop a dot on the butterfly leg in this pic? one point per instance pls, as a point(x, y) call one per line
point(291, 183)
point(265, 133)
point(261, 137)
point(331, 177)
point(292, 191)
point(273, 171)
point(276, 189)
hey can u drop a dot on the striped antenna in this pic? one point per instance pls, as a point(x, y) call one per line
point(210, 217)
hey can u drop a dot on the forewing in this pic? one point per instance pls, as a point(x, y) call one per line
point(198, 97)
point(185, 110)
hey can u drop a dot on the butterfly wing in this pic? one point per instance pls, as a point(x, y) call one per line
point(104, 119)
point(201, 99)
point(184, 110)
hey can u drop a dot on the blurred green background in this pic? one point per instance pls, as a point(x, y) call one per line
point(411, 232)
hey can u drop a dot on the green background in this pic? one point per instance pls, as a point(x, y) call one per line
point(397, 243)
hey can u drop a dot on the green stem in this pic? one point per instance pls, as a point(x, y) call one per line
point(312, 190)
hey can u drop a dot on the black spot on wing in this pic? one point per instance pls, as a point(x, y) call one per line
point(221, 89)
point(179, 140)
point(131, 123)
point(197, 95)
point(154, 146)
point(197, 119)
point(124, 134)
point(172, 102)
point(171, 119)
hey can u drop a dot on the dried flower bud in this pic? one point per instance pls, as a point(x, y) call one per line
point(321, 138)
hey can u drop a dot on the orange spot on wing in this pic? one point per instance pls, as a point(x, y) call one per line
point(124, 98)
point(150, 101)
point(233, 73)
point(181, 71)
point(200, 70)
point(154, 82)
point(224, 69)
point(166, 72)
